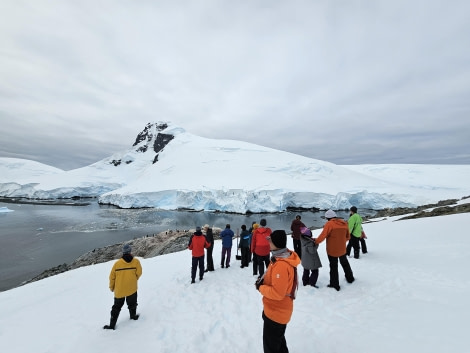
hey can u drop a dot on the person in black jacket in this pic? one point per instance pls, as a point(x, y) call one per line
point(210, 239)
point(244, 246)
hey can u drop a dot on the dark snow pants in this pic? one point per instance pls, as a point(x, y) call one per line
point(261, 261)
point(353, 243)
point(274, 339)
point(363, 246)
point(310, 278)
point(297, 247)
point(131, 301)
point(210, 260)
point(228, 252)
point(197, 261)
point(245, 256)
point(334, 278)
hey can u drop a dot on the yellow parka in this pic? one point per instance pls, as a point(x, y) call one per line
point(124, 275)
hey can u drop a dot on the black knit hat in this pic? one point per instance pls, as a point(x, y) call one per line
point(279, 239)
point(353, 209)
point(262, 223)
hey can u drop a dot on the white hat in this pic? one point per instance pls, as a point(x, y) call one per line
point(330, 214)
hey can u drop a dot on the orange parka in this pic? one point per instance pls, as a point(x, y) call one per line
point(124, 276)
point(276, 288)
point(336, 233)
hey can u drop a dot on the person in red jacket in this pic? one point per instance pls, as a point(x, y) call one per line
point(260, 248)
point(295, 228)
point(336, 233)
point(197, 244)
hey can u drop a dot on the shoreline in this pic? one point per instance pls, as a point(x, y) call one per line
point(171, 241)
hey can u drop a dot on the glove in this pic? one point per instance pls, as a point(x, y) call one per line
point(259, 282)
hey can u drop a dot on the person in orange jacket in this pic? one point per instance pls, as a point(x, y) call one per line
point(197, 244)
point(336, 233)
point(123, 282)
point(276, 286)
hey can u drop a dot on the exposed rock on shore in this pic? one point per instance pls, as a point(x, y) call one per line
point(149, 246)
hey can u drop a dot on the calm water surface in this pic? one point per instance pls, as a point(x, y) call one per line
point(34, 238)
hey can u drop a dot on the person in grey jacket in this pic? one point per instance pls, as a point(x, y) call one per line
point(310, 260)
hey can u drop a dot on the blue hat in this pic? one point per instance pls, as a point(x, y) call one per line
point(126, 249)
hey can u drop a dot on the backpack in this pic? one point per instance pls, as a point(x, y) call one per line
point(295, 285)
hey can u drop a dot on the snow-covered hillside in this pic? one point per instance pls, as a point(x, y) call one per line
point(410, 295)
point(168, 168)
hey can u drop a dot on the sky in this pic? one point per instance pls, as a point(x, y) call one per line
point(349, 82)
point(410, 298)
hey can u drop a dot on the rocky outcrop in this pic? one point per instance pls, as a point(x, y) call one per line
point(148, 246)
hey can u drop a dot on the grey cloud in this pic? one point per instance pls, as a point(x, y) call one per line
point(302, 76)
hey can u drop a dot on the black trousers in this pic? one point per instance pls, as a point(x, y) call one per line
point(131, 301)
point(197, 261)
point(334, 278)
point(297, 247)
point(259, 263)
point(210, 260)
point(245, 256)
point(274, 339)
point(353, 243)
point(363, 245)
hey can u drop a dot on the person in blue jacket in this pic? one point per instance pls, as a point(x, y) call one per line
point(227, 237)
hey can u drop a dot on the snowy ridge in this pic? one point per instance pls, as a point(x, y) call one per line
point(395, 305)
point(168, 168)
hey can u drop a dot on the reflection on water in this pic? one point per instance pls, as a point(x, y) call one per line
point(34, 238)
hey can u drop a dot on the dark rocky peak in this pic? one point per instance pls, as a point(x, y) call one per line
point(161, 141)
point(146, 134)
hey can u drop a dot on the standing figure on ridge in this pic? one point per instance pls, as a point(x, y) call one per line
point(336, 233)
point(123, 282)
point(278, 286)
point(310, 259)
point(355, 229)
point(245, 238)
point(260, 247)
point(227, 242)
point(197, 244)
point(210, 249)
point(295, 228)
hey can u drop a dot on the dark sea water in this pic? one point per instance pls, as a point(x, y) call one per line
point(34, 238)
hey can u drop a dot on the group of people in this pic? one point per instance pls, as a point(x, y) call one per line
point(266, 249)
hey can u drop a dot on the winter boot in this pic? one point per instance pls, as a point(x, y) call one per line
point(112, 323)
point(133, 314)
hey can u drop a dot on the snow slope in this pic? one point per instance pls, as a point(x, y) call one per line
point(410, 295)
point(168, 168)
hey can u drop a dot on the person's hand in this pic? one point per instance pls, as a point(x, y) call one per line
point(259, 282)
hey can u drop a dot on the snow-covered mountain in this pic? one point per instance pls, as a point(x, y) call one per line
point(169, 168)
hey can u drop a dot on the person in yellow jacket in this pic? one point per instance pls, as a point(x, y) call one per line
point(123, 282)
point(276, 286)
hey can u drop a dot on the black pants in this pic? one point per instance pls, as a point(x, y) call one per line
point(210, 260)
point(363, 245)
point(131, 301)
point(334, 278)
point(259, 263)
point(353, 243)
point(310, 278)
point(245, 256)
point(197, 261)
point(297, 247)
point(274, 339)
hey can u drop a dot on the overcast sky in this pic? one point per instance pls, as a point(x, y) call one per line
point(350, 82)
